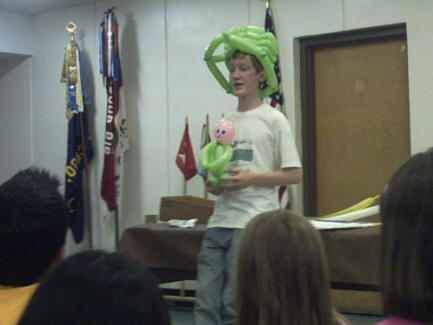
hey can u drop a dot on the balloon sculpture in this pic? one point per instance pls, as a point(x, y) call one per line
point(216, 154)
point(248, 39)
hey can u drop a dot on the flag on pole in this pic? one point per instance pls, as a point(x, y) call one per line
point(116, 136)
point(205, 139)
point(276, 99)
point(79, 148)
point(185, 156)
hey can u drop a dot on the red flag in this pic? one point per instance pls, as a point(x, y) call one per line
point(116, 136)
point(185, 156)
point(114, 146)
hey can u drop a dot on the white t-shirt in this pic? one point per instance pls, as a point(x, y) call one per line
point(263, 142)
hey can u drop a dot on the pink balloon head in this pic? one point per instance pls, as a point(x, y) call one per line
point(224, 131)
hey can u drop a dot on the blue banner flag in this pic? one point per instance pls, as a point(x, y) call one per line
point(79, 148)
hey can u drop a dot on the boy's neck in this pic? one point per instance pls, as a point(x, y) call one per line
point(248, 103)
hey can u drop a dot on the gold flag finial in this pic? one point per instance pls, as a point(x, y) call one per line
point(71, 27)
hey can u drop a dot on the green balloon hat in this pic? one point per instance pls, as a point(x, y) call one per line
point(249, 39)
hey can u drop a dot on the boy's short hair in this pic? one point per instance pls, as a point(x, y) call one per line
point(32, 226)
point(95, 287)
point(256, 63)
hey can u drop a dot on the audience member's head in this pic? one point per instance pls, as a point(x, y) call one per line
point(96, 287)
point(406, 210)
point(32, 226)
point(282, 272)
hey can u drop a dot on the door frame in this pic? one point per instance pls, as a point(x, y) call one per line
point(307, 45)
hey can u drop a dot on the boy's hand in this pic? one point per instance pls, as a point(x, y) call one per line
point(240, 179)
point(215, 190)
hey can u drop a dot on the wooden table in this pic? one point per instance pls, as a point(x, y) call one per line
point(353, 257)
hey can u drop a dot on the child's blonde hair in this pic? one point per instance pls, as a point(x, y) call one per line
point(282, 272)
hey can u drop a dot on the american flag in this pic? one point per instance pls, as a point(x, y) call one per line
point(284, 193)
point(277, 97)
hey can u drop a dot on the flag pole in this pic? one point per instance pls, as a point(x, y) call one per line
point(184, 180)
point(207, 131)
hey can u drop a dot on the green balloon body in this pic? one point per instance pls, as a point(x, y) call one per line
point(214, 158)
point(249, 39)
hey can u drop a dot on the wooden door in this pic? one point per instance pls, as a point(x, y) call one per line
point(361, 119)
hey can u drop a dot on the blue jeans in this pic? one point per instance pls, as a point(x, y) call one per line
point(216, 279)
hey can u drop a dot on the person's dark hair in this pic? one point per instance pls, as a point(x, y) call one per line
point(282, 272)
point(95, 287)
point(406, 210)
point(32, 226)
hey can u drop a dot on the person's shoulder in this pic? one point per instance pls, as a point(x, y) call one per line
point(271, 111)
point(273, 116)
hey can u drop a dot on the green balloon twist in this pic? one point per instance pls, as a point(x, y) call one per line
point(214, 158)
point(249, 39)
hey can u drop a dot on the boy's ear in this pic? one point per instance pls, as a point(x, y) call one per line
point(262, 76)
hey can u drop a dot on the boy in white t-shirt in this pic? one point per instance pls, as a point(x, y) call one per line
point(264, 158)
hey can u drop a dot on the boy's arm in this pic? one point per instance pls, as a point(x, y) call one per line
point(243, 178)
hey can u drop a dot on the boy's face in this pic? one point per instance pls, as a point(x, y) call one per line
point(243, 76)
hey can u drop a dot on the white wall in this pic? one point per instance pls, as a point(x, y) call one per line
point(165, 79)
point(15, 92)
point(15, 33)
point(15, 115)
point(420, 44)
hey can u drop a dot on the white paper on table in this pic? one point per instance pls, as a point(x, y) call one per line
point(323, 225)
point(190, 223)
